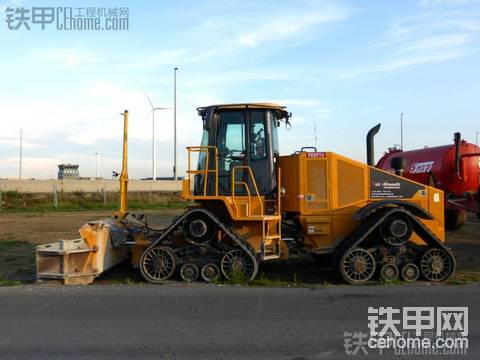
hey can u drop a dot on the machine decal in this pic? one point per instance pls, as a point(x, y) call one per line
point(421, 167)
point(315, 155)
point(388, 186)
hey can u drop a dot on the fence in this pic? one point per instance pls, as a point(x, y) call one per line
point(88, 186)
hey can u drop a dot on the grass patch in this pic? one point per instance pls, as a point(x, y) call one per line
point(119, 281)
point(17, 262)
point(464, 278)
point(239, 278)
point(384, 282)
point(8, 243)
point(13, 201)
point(93, 206)
point(268, 282)
point(236, 278)
point(7, 282)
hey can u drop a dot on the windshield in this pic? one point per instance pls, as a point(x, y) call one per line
point(273, 122)
point(203, 154)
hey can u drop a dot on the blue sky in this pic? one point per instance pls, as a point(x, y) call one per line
point(342, 65)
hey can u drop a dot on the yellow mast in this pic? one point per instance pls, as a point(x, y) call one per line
point(124, 173)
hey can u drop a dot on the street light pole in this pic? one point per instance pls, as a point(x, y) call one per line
point(175, 123)
point(96, 165)
point(20, 165)
point(476, 138)
point(401, 130)
point(154, 160)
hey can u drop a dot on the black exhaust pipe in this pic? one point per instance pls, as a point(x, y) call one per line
point(457, 138)
point(371, 145)
point(398, 165)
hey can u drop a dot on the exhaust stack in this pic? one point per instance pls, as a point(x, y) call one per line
point(371, 145)
point(457, 137)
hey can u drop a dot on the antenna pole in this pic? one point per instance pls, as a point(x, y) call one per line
point(124, 174)
point(401, 131)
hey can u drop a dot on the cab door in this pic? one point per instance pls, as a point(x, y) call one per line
point(232, 149)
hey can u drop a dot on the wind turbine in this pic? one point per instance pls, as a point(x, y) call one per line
point(154, 161)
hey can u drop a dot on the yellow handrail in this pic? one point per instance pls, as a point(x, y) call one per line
point(207, 170)
point(234, 182)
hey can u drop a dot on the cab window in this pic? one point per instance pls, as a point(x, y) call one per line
point(258, 146)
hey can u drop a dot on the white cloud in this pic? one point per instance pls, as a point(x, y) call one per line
point(400, 64)
point(267, 27)
point(15, 142)
point(443, 2)
point(301, 102)
point(67, 57)
point(438, 42)
point(425, 38)
point(32, 167)
point(292, 24)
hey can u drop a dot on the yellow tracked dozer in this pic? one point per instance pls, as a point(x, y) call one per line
point(250, 205)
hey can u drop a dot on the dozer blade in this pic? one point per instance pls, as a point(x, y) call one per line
point(80, 261)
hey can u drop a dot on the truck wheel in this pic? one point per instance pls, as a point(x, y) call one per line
point(357, 266)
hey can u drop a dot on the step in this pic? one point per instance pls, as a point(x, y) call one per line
point(270, 257)
point(271, 217)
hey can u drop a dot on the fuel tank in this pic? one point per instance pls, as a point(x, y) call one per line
point(455, 171)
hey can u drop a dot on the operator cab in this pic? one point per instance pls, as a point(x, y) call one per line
point(244, 135)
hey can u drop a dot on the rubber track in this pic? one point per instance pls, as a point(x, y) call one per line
point(238, 240)
point(365, 229)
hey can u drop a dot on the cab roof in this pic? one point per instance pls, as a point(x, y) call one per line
point(281, 110)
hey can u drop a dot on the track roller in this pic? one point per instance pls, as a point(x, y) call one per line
point(189, 272)
point(410, 272)
point(158, 264)
point(389, 272)
point(210, 272)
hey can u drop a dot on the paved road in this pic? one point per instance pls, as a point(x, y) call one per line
point(204, 322)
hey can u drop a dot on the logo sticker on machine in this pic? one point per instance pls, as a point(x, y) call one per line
point(316, 155)
point(384, 185)
point(421, 167)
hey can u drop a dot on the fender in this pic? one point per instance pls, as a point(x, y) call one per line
point(413, 208)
